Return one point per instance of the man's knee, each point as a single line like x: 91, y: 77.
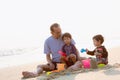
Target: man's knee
x: 78, y: 63
x: 44, y: 67
x: 83, y: 58
x: 40, y: 66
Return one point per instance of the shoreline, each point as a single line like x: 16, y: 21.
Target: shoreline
x: 34, y: 56
x: 15, y: 72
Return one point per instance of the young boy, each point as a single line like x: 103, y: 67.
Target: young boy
x: 69, y: 49
x: 100, y: 51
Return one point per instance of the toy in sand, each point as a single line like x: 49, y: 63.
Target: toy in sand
x: 101, y: 65
x: 83, y: 50
x: 62, y: 53
x: 60, y: 67
x: 86, y: 63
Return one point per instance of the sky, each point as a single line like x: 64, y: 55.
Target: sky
x: 25, y: 23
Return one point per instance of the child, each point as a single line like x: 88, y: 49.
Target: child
x: 69, y: 49
x: 100, y: 51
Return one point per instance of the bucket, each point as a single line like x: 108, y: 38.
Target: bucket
x: 86, y: 63
x: 60, y: 66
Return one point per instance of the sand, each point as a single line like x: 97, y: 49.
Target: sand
x: 14, y: 73
x: 109, y: 73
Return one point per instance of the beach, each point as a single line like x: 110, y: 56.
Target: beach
x: 14, y: 72
x: 25, y: 27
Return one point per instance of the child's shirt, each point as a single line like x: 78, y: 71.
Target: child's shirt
x: 69, y: 49
x: 100, y: 53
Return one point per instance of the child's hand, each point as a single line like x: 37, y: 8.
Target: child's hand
x: 87, y: 50
x: 67, y: 58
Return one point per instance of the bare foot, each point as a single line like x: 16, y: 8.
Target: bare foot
x: 27, y: 74
x: 73, y: 58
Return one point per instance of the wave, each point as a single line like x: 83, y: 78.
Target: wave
x: 80, y: 44
x: 18, y: 51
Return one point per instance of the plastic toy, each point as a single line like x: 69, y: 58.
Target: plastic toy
x: 83, y: 50
x: 60, y: 66
x: 86, y: 63
x: 101, y: 65
x: 62, y: 53
x: 48, y: 73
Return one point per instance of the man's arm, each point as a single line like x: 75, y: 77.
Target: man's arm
x: 48, y: 58
x: 47, y: 51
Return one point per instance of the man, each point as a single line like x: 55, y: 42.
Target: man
x: 52, y: 46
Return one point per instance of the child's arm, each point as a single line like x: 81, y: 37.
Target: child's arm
x: 76, y: 52
x: 63, y: 49
x: 90, y: 52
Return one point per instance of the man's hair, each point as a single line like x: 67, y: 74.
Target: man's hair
x: 99, y: 37
x: 66, y: 35
x: 55, y: 25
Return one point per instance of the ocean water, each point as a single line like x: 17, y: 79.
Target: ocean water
x: 19, y: 56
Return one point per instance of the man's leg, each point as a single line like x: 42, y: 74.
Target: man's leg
x: 76, y: 66
x: 46, y: 67
x: 40, y: 69
x: 82, y: 58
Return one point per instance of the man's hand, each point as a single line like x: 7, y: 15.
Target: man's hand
x: 50, y: 61
x: 52, y: 66
x: 48, y: 58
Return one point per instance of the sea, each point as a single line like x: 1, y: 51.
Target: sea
x: 19, y: 56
